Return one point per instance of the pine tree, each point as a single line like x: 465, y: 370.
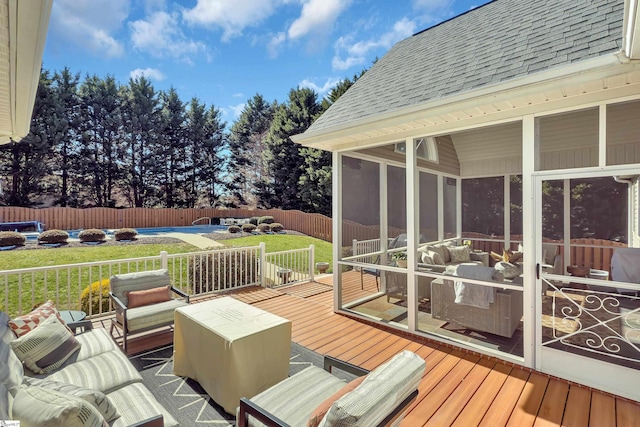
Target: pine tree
x: 282, y: 156
x: 246, y: 144
x: 170, y: 177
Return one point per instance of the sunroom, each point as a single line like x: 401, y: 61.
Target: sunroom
x: 498, y: 210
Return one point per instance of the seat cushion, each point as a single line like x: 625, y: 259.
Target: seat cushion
x: 94, y: 342
x: 152, y: 315
x: 123, y: 283
x: 379, y: 394
x: 104, y: 372
x: 294, y: 399
x: 136, y: 403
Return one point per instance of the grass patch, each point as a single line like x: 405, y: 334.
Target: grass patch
x: 283, y: 242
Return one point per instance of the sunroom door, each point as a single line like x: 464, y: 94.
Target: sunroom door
x: 587, y: 326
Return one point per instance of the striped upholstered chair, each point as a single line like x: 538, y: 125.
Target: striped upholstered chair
x: 316, y: 397
x: 143, y: 301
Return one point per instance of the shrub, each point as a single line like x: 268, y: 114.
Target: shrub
x: 99, y: 297
x: 53, y: 236
x: 254, y: 220
x: 266, y: 220
x: 248, y: 228
x: 233, y: 229
x: 92, y: 235
x: 222, y: 270
x: 264, y: 228
x: 125, y: 234
x: 276, y: 226
x: 11, y: 238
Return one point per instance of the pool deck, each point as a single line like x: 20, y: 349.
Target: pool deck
x: 195, y: 239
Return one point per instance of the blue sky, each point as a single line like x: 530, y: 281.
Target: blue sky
x: 226, y: 51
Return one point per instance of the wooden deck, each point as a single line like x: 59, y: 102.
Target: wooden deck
x: 459, y: 388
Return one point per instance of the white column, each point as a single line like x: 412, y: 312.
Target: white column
x: 532, y: 252
x: 602, y: 136
x: 413, y: 228
x: 566, y: 224
x: 336, y: 190
x: 507, y: 211
x: 440, y: 180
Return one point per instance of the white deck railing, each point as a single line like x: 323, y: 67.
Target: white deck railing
x: 286, y: 267
x: 196, y: 273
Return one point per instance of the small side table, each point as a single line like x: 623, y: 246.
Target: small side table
x: 76, y: 319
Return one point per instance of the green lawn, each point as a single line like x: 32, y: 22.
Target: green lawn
x: 11, y: 260
x: 65, y: 286
x: 285, y: 242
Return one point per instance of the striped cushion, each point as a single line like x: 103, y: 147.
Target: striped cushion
x: 94, y: 342
x: 21, y: 325
x: 11, y: 371
x: 294, y: 399
x: 45, y: 348
x: 152, y: 315
x: 136, y: 403
x: 123, y: 283
x: 104, y: 372
x: 379, y: 394
x: 96, y: 398
x: 37, y: 406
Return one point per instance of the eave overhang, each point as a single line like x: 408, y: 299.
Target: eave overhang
x: 591, y: 81
x: 23, y: 30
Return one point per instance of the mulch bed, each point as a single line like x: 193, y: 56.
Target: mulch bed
x: 226, y: 235
x: 110, y: 242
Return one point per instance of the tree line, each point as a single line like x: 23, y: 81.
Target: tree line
x: 97, y: 143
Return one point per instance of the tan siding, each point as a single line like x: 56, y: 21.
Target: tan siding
x: 569, y: 140
x: 623, y: 136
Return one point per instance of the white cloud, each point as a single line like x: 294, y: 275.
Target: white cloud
x: 90, y: 24
x: 321, y: 90
x: 160, y: 35
x: 232, y: 16
x: 237, y: 109
x: 150, y: 73
x: 431, y: 12
x: 316, y: 16
x: 275, y: 44
x: 349, y: 53
x: 238, y: 95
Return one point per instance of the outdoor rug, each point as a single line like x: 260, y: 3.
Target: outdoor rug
x: 189, y: 404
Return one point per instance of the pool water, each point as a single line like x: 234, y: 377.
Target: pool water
x: 152, y: 231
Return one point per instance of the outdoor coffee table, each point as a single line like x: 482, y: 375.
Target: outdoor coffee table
x: 231, y: 348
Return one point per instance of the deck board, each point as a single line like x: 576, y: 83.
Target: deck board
x: 458, y: 388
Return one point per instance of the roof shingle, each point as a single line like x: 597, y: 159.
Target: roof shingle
x: 500, y: 41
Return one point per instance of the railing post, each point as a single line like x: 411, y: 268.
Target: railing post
x: 164, y: 259
x: 353, y: 247
x: 263, y: 279
x: 312, y: 265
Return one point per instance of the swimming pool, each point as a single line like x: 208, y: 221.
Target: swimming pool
x: 151, y: 231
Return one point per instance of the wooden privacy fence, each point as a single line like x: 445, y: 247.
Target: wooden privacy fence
x: 315, y: 225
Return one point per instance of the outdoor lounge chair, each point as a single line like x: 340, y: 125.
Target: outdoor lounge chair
x: 314, y: 394
x: 147, y: 316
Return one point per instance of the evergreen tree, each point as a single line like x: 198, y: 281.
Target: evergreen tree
x: 213, y: 161
x: 195, y: 135
x: 65, y: 138
x: 141, y: 125
x: 282, y: 156
x: 171, y: 150
x: 246, y: 144
x: 101, y: 130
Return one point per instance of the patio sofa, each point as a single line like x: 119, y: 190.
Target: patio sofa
x: 315, y: 396
x: 74, y: 393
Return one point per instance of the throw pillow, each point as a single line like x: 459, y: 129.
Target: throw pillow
x: 97, y: 398
x: 437, y: 259
x: 148, y: 296
x: 46, y: 348
x: 459, y: 254
x: 37, y: 406
x: 441, y: 250
x: 21, y: 325
x: 318, y: 414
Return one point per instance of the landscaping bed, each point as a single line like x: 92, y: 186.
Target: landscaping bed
x: 110, y: 242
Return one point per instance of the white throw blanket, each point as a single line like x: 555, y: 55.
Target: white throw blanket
x: 470, y: 293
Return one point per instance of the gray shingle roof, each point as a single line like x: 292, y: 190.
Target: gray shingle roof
x: 502, y: 40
